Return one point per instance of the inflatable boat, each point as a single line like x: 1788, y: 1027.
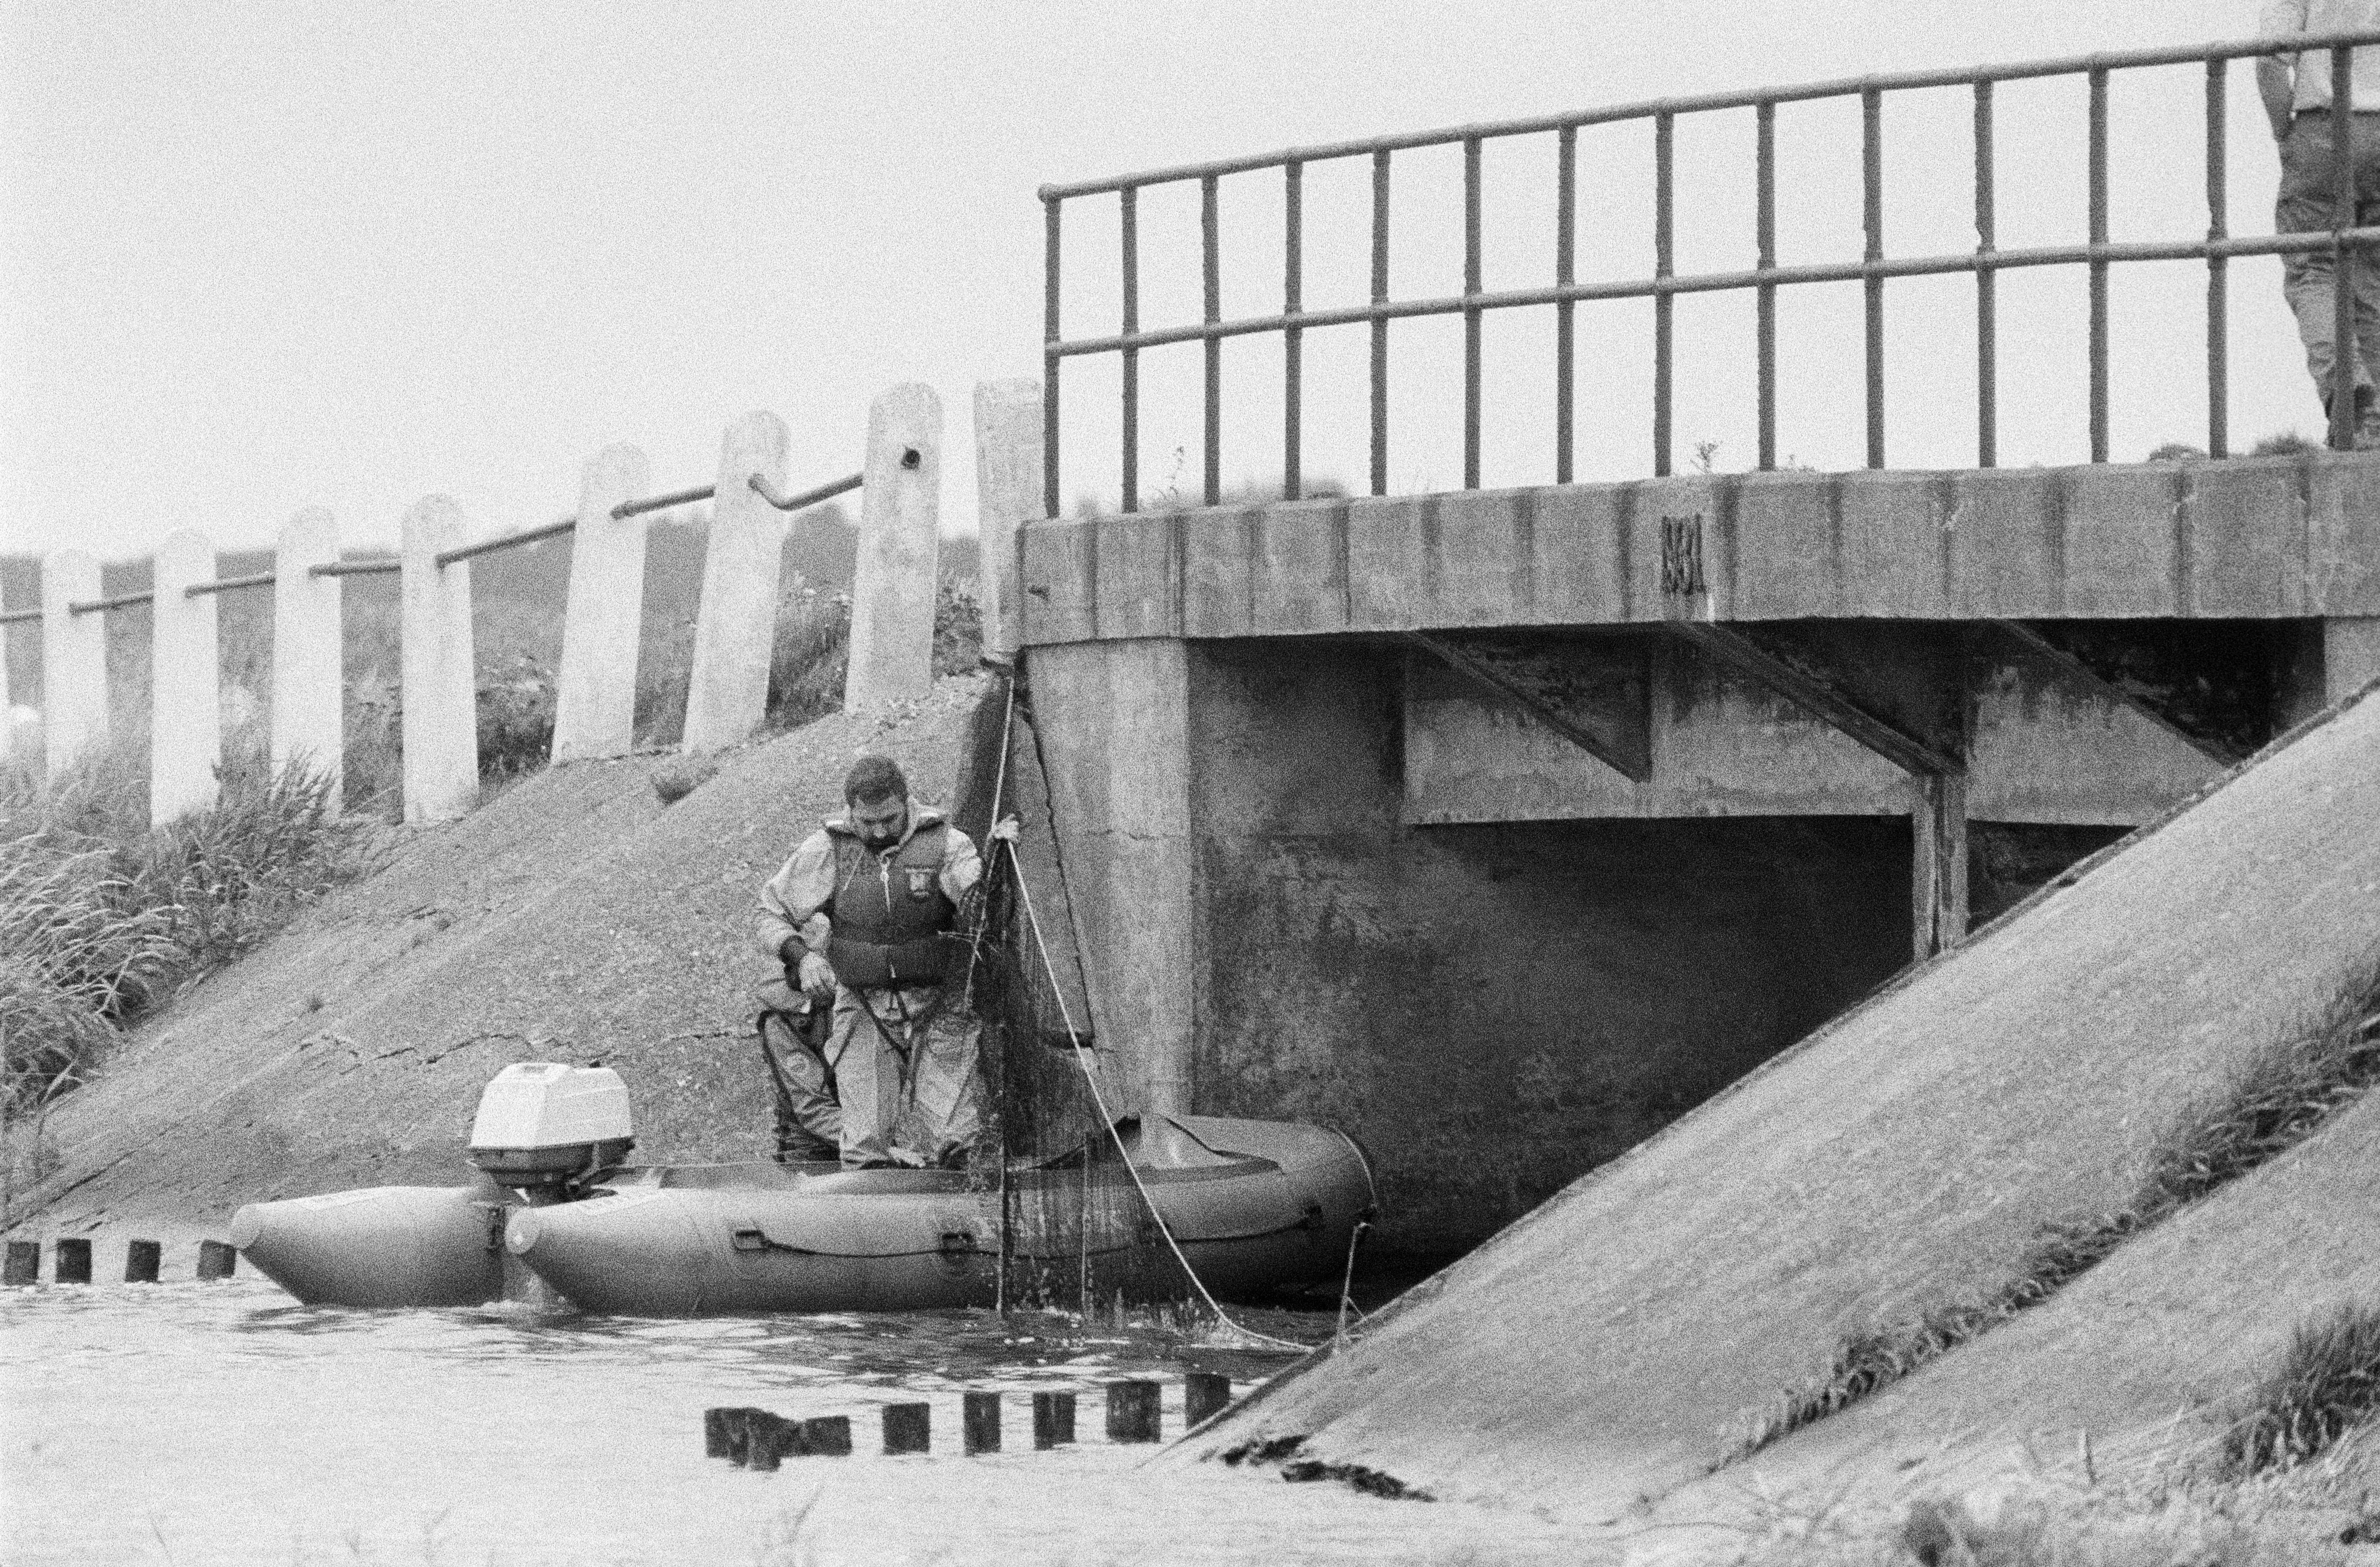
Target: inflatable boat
x: 1251, y: 1206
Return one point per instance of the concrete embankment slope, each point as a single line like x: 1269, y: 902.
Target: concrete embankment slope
x: 573, y: 918
x: 1615, y: 1343
x: 2147, y: 1354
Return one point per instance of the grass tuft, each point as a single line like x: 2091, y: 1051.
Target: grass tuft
x: 103, y: 919
x: 2326, y: 1384
x: 2276, y: 1100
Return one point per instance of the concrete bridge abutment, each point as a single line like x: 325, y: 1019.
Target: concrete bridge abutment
x: 1500, y: 828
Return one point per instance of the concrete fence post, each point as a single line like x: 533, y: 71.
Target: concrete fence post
x: 892, y: 591
x: 735, y: 628
x: 595, y: 693
x: 74, y: 662
x: 185, y: 699
x: 1008, y: 496
x: 441, y: 741
x: 308, y: 647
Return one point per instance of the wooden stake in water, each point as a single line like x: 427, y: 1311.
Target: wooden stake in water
x: 1054, y: 1419
x: 24, y: 1263
x: 981, y: 1420
x: 72, y: 1261
x: 1133, y: 1411
x: 140, y: 1260
x: 769, y: 1439
x: 217, y: 1260
x: 828, y: 1435
x: 908, y: 1428
x: 1204, y: 1395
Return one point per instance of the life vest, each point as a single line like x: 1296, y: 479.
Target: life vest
x: 891, y: 918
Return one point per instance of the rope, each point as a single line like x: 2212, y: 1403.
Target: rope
x: 1249, y: 1337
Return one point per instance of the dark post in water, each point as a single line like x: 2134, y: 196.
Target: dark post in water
x: 1054, y: 1419
x: 140, y: 1260
x: 24, y: 1263
x: 908, y: 1428
x: 217, y: 1259
x: 1133, y: 1411
x: 981, y: 1419
x: 72, y: 1263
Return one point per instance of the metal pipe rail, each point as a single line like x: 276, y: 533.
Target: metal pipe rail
x: 2099, y: 254
x: 811, y: 497
x: 19, y: 617
x: 490, y: 546
x: 255, y: 579
x: 121, y: 601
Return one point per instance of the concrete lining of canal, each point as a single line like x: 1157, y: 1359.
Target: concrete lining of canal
x: 1617, y: 1344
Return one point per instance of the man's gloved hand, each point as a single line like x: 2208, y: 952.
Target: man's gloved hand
x: 816, y: 978
x: 1004, y: 830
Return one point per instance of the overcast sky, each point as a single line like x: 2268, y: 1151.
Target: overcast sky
x: 266, y: 255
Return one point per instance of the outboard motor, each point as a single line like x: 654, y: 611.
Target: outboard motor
x: 544, y: 1128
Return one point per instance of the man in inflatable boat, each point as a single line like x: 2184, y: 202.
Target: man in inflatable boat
x: 862, y: 917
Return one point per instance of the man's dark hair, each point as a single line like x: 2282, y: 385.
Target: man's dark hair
x: 872, y: 779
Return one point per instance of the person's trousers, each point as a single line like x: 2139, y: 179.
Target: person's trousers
x: 2306, y: 205
x: 809, y: 1121
x: 906, y: 1090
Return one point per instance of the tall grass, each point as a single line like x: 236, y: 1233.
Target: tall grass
x: 2280, y: 1097
x: 103, y: 920
x: 2325, y: 1385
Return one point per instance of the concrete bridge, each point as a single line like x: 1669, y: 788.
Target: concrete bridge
x: 1501, y: 827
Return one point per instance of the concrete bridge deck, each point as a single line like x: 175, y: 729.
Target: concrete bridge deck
x: 2273, y: 538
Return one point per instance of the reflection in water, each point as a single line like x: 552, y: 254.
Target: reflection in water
x: 187, y: 1423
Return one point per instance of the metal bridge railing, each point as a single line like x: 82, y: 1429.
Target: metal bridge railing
x: 1564, y: 291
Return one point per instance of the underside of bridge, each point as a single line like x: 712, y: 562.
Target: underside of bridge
x: 1501, y: 829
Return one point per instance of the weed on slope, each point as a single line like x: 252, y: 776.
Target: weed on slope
x: 101, y: 920
x: 2326, y: 1384
x: 2276, y: 1100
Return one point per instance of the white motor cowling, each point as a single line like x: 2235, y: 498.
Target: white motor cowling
x: 543, y: 1122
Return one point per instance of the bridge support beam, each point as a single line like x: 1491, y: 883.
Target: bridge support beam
x: 1597, y: 699
x: 1936, y: 766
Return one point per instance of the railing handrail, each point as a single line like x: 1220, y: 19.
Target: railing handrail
x: 2098, y: 253
x: 1689, y: 103
x: 1710, y: 283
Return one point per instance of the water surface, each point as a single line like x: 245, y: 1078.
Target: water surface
x: 185, y: 1424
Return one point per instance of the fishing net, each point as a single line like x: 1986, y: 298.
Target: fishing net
x: 1079, y: 1232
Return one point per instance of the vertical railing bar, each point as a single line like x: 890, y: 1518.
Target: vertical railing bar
x: 2343, y: 411
x: 1293, y: 290
x: 2098, y: 191
x: 1130, y: 215
x: 1472, y: 283
x: 1381, y: 328
x: 1050, y: 359
x: 1664, y: 258
x: 2219, y: 303
x: 1765, y: 224
x: 1871, y: 169
x: 1210, y: 235
x: 1565, y: 273
x: 1987, y: 343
